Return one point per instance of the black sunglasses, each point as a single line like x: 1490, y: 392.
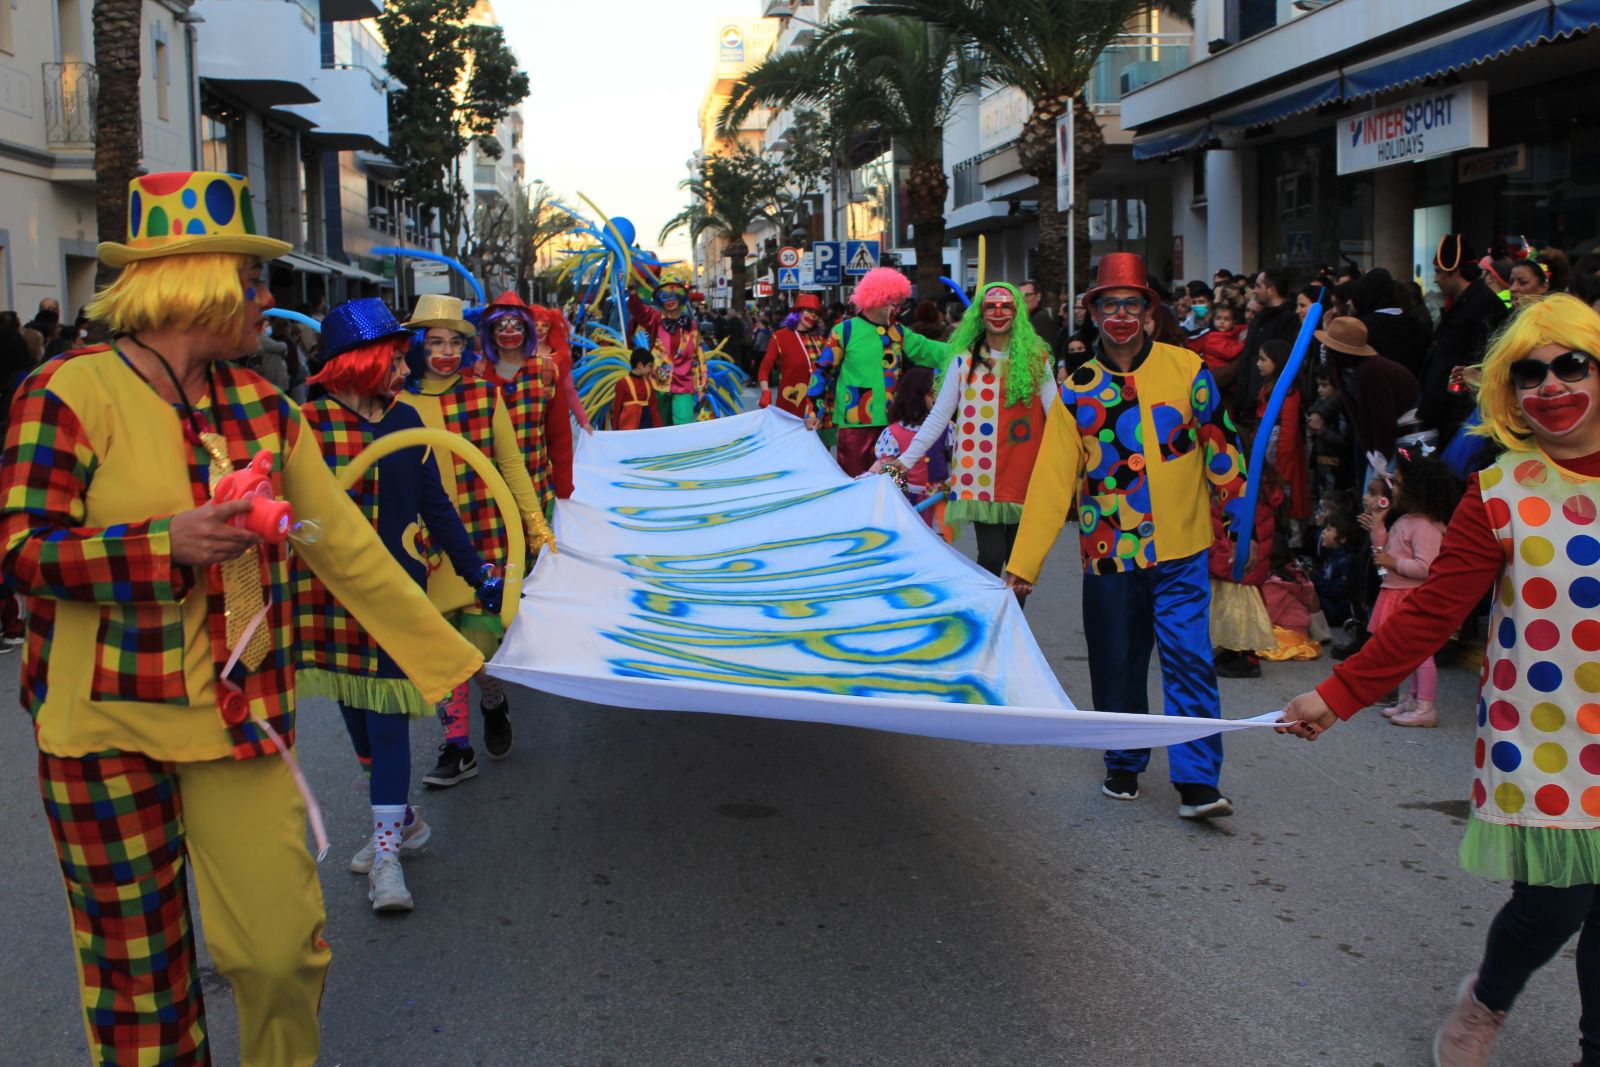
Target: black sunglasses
x: 1568, y: 367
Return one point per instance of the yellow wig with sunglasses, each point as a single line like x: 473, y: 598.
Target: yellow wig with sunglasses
x: 1557, y: 319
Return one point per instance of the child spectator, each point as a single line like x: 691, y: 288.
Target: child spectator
x: 1426, y: 492
x: 1286, y: 448
x: 913, y: 399
x: 1239, y: 620
x: 1332, y: 580
x: 1329, y: 435
x: 1220, y: 344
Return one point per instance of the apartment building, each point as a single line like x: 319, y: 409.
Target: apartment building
x: 1308, y: 132
x: 47, y: 101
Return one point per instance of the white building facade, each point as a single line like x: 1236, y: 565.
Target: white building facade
x: 47, y: 101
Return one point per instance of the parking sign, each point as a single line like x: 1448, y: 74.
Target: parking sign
x: 828, y: 264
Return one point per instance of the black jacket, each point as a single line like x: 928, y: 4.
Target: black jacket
x: 1463, y: 335
x: 1401, y: 338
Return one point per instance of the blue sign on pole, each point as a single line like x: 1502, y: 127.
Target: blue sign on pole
x: 829, y: 268
x: 860, y: 256
x: 788, y: 277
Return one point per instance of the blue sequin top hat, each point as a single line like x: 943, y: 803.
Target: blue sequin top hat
x: 355, y: 323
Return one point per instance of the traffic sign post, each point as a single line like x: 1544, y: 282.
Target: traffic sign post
x: 828, y: 263
x: 788, y: 277
x: 860, y: 257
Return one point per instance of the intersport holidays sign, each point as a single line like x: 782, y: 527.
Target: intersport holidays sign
x: 1434, y: 124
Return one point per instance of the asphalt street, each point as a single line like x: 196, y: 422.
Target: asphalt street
x: 636, y: 888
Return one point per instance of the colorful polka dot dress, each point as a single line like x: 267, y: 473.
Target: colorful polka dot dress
x: 1537, y: 756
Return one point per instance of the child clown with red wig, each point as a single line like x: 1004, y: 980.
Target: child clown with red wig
x: 363, y: 372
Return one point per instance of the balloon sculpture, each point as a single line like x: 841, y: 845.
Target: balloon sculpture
x: 611, y: 266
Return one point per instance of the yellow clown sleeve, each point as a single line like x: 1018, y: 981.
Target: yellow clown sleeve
x: 1052, y: 490
x: 358, y: 570
x: 511, y: 461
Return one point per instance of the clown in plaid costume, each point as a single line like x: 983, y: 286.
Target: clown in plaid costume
x: 106, y: 525
x: 473, y: 409
x: 365, y: 371
x: 530, y: 387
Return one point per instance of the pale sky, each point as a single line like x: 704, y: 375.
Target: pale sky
x: 615, y: 96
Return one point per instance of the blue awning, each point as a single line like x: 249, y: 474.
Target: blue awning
x: 1166, y: 144
x: 1304, y: 98
x: 1433, y: 58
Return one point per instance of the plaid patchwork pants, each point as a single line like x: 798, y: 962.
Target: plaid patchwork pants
x: 125, y: 826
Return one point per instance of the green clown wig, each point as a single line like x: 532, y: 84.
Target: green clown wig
x: 1029, y: 355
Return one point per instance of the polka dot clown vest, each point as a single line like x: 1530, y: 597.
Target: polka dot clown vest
x: 1537, y: 756
x: 996, y: 443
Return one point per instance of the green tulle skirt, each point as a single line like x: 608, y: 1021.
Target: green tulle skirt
x: 1001, y: 512
x: 392, y: 696
x: 483, y: 632
x: 1537, y: 855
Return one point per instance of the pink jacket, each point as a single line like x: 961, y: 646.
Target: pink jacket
x: 1414, y: 543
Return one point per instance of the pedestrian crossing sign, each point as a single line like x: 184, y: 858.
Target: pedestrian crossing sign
x: 788, y: 277
x: 860, y: 256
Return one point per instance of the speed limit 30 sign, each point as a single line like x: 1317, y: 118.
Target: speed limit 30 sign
x: 788, y: 257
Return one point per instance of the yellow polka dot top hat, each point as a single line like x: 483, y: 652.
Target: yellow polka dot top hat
x: 189, y: 212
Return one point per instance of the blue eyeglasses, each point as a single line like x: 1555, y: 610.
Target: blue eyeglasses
x: 1110, y: 305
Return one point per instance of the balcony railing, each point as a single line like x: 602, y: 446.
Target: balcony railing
x: 1135, y: 60
x: 69, y: 95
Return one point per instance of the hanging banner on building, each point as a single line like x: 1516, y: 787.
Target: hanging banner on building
x: 729, y: 566
x: 1434, y: 124
x: 1001, y: 116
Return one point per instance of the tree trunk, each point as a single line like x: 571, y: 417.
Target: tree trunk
x: 926, y: 188
x: 737, y: 251
x: 118, y: 148
x: 1036, y: 150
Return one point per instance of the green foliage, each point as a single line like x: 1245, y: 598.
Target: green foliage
x: 1043, y: 47
x: 730, y: 194
x: 457, y: 82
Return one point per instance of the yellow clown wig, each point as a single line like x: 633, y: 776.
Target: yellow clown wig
x: 1557, y: 319
x: 202, y: 289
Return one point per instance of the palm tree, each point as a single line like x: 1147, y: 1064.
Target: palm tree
x: 1048, y: 49
x: 118, y: 148
x: 899, y: 78
x: 732, y: 192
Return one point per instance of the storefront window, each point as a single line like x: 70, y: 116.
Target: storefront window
x: 1314, y: 218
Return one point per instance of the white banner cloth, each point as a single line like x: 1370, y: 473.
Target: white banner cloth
x: 730, y: 566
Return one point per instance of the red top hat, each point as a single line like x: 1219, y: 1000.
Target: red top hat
x: 807, y: 300
x: 1122, y: 270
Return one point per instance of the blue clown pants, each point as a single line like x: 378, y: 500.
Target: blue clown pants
x: 1124, y: 616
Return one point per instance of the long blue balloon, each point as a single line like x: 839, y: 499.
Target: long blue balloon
x: 417, y: 253
x: 966, y: 301
x: 1246, y: 521
x: 293, y: 316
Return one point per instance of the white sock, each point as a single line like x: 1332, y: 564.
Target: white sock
x: 387, y: 823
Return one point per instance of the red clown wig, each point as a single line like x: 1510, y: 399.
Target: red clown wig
x: 363, y: 371
x: 558, y: 337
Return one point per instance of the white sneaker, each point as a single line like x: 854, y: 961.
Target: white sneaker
x: 386, y: 885
x: 412, y: 838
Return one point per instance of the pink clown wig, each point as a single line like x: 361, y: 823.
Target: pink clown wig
x: 880, y: 287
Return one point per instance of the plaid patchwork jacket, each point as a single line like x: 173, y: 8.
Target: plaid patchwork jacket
x: 124, y: 646
x: 539, y: 415
x: 473, y: 410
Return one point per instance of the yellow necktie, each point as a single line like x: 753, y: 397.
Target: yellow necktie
x: 241, y: 576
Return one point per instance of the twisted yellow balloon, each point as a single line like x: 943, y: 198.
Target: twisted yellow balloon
x: 517, y: 545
